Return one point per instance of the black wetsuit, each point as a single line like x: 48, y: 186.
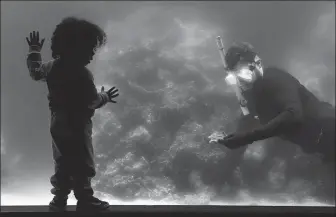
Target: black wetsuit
x: 286, y: 109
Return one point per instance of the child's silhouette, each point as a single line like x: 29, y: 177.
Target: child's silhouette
x: 73, y: 99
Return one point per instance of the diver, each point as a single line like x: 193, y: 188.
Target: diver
x: 282, y: 106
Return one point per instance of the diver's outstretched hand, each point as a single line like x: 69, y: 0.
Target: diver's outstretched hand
x: 235, y: 140
x: 112, y: 93
x: 231, y: 141
x: 34, y: 41
x: 215, y: 137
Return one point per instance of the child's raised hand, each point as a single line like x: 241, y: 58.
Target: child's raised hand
x: 34, y: 40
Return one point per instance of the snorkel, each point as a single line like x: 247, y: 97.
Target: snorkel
x: 232, y: 80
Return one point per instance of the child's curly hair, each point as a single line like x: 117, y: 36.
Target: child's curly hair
x: 77, y: 36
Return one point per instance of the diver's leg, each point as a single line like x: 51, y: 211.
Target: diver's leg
x: 327, y: 149
x: 327, y: 141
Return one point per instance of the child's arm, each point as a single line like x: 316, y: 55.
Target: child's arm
x: 98, y: 100
x: 37, y: 70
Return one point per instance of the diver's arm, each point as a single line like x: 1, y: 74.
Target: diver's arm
x: 285, y: 94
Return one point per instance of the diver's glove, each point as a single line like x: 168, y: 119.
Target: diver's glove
x: 236, y: 140
x: 108, y: 96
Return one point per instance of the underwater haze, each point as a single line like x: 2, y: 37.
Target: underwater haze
x: 163, y: 58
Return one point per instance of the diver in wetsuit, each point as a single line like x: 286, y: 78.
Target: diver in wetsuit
x: 284, y: 107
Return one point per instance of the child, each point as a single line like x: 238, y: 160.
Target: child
x: 73, y: 99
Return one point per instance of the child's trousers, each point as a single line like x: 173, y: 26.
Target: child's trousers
x: 73, y: 155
